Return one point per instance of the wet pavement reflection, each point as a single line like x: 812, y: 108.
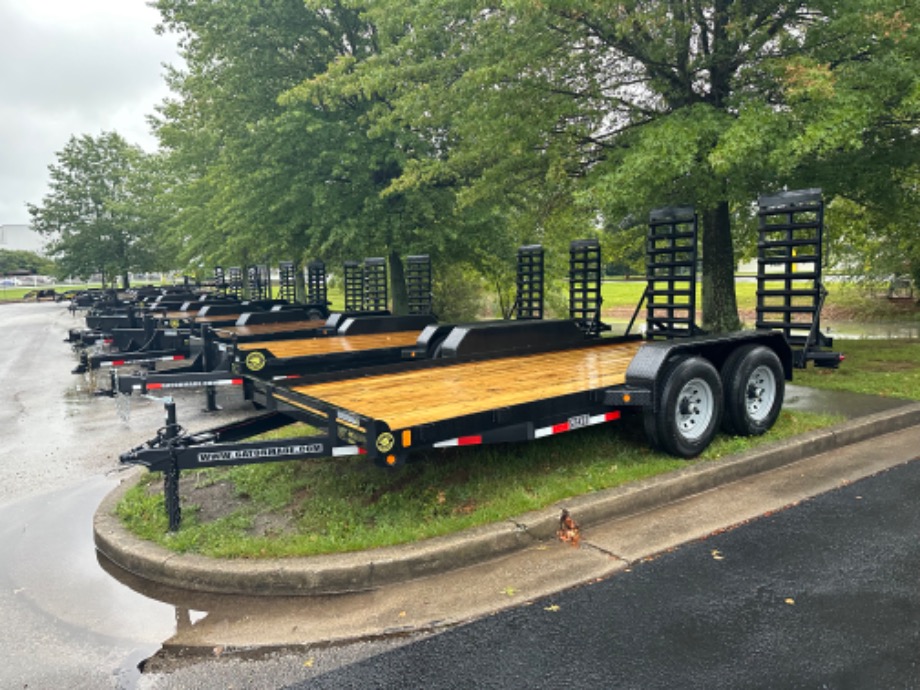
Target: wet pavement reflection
x: 849, y: 405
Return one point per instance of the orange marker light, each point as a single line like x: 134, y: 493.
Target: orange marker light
x: 391, y: 460
x: 406, y: 438
x: 627, y: 397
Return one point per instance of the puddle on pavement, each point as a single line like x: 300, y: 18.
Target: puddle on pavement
x: 848, y: 405
x: 55, y: 574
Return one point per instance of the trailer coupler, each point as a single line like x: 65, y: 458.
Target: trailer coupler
x: 172, y: 450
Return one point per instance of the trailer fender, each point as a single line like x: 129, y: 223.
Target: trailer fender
x: 647, y: 367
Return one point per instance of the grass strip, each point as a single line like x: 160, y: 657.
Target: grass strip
x: 306, y: 508
x: 890, y: 368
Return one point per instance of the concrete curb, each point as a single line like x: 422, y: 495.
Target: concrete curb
x: 375, y: 568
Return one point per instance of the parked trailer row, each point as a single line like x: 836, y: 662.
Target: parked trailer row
x: 526, y: 380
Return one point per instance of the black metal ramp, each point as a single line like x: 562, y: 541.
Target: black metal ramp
x: 790, y: 294
x: 671, y: 250
x: 530, y: 277
x: 585, y: 299
x: 418, y: 284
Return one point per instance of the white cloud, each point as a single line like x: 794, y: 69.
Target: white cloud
x: 72, y: 68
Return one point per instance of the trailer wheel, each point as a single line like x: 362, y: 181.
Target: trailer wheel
x: 754, y: 385
x: 690, y: 408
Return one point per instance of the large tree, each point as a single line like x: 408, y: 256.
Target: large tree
x: 259, y: 179
x: 90, y: 212
x: 573, y: 112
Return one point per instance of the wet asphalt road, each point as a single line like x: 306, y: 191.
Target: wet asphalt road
x: 67, y: 623
x: 822, y: 595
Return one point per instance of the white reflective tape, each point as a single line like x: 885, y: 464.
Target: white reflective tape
x: 447, y: 444
x: 345, y: 450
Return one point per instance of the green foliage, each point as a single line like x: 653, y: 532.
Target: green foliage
x: 465, y: 129
x: 17, y: 261
x: 91, y: 213
x: 458, y: 293
x: 553, y: 115
x: 265, y: 171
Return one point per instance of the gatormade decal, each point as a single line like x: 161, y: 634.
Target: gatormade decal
x: 259, y: 453
x: 255, y: 361
x: 385, y: 442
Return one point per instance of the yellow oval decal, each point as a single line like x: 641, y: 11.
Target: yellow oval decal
x: 174, y: 323
x: 255, y: 361
x: 385, y: 442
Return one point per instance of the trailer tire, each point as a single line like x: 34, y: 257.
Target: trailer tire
x: 754, y: 385
x: 689, y: 410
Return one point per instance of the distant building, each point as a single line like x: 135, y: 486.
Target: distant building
x: 21, y: 238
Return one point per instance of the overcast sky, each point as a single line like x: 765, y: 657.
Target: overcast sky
x: 72, y: 67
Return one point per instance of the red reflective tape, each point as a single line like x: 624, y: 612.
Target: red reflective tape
x: 610, y: 416
x: 236, y: 382
x: 176, y: 358
x: 154, y: 386
x: 118, y: 363
x: 559, y: 428
x: 362, y: 451
x: 469, y: 440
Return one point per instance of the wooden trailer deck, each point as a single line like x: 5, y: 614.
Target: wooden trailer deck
x: 227, y: 332
x: 306, y: 347
x: 422, y: 396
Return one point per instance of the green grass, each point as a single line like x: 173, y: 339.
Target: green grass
x: 16, y: 293
x: 307, y: 508
x: 845, y: 301
x: 889, y: 368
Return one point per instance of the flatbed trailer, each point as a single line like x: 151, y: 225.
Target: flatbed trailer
x: 282, y: 358
x: 683, y: 390
x: 167, y: 336
x: 213, y: 349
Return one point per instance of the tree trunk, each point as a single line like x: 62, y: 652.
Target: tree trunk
x: 720, y: 307
x: 398, y: 292
x: 300, y: 282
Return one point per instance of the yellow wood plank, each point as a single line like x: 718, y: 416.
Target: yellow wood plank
x: 304, y: 347
x: 423, y: 396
